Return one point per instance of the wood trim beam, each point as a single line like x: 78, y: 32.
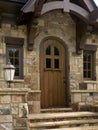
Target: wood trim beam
x: 94, y: 15
x: 14, y: 40
x: 51, y: 6
x: 66, y: 6
x: 31, y: 34
x: 70, y: 7
x: 77, y: 10
x: 81, y: 28
x: 29, y: 6
x: 89, y: 47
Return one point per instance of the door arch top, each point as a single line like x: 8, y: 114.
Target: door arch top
x: 55, y: 38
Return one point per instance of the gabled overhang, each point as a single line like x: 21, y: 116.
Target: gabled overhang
x: 85, y: 11
x: 29, y: 6
x: 81, y: 8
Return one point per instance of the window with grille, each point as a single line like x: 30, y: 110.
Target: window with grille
x: 52, y: 58
x: 89, y: 64
x: 14, y: 53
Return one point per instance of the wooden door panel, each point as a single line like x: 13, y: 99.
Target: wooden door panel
x: 53, y: 89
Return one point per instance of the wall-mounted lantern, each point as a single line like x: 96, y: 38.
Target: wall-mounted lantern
x: 9, y: 73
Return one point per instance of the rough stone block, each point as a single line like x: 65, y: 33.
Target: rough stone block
x: 95, y: 86
x: 77, y: 97
x: 5, y: 111
x: 75, y: 106
x: 5, y: 118
x: 14, y: 109
x: 6, y: 126
x: 90, y: 87
x: 89, y: 100
x: 23, y: 110
x: 83, y: 98
x: 17, y: 99
x: 36, y: 106
x: 20, y: 122
x: 27, y: 79
x: 34, y: 97
x: 72, y: 75
x: 6, y: 99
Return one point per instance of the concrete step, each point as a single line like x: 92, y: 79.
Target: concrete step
x: 63, y: 123
x: 77, y: 128
x: 59, y: 120
x: 53, y: 110
x: 68, y: 115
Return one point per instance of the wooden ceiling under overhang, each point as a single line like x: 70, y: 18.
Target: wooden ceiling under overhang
x: 10, y: 9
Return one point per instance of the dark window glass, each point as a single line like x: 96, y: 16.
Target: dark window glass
x: 85, y: 66
x: 89, y: 57
x: 48, y: 63
x: 56, y: 51
x: 85, y: 74
x: 17, y: 71
x: 52, y: 57
x: 89, y: 74
x: 17, y: 53
x: 84, y: 58
x: 56, y: 63
x: 48, y: 50
x: 89, y: 66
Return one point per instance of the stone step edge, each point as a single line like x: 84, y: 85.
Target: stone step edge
x: 21, y: 128
x: 68, y: 115
x: 77, y: 128
x: 56, y: 109
x: 62, y: 123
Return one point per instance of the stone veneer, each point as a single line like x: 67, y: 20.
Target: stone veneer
x: 12, y: 101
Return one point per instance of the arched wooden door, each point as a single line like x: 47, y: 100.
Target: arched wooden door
x: 53, y: 87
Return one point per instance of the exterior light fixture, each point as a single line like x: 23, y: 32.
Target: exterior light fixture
x: 9, y: 73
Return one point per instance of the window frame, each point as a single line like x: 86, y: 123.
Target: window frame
x: 16, y: 43
x: 52, y: 57
x: 90, y: 49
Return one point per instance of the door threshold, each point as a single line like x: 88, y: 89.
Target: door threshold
x: 63, y: 109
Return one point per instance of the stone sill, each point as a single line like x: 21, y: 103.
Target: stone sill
x: 84, y: 91
x: 11, y: 91
x: 34, y: 91
x: 18, y: 81
x: 15, y: 80
x: 90, y: 81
